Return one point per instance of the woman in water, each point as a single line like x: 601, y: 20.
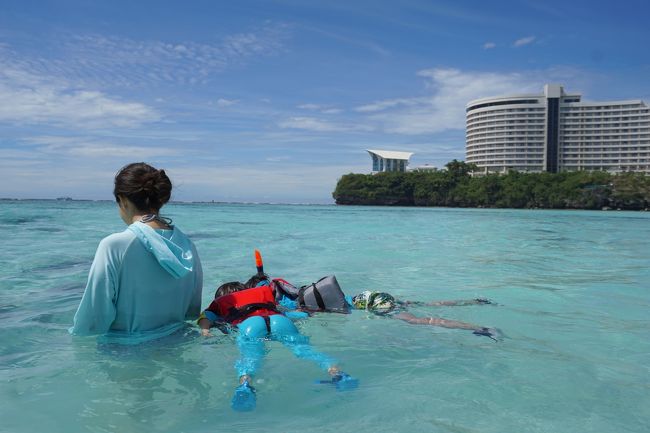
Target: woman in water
x: 146, y: 280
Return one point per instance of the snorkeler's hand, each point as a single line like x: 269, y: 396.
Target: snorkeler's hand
x: 492, y: 333
x: 206, y: 332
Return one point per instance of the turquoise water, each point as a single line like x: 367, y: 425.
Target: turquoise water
x: 572, y: 287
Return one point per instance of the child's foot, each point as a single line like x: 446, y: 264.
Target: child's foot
x: 342, y: 381
x: 244, y: 399
x: 345, y: 382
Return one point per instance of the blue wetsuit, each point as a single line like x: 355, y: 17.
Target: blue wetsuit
x: 252, y: 333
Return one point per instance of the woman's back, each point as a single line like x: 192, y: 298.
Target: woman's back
x: 130, y: 291
x: 147, y: 279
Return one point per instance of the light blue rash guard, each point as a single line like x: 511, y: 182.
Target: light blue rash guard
x: 143, y: 283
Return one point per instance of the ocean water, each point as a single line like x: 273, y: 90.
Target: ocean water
x: 573, y: 302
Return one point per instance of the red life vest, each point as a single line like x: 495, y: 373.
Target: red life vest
x: 239, y: 306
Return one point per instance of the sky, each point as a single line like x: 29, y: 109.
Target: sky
x: 275, y: 100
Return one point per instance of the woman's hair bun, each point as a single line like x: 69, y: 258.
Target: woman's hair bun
x: 146, y: 187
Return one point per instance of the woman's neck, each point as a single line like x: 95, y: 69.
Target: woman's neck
x: 151, y: 219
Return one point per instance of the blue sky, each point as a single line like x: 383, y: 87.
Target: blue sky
x: 273, y: 101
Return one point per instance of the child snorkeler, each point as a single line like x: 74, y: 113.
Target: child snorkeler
x: 252, y: 309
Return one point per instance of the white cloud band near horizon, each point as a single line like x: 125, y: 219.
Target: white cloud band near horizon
x: 441, y: 108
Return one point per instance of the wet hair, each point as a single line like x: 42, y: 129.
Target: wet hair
x: 228, y: 288
x: 146, y: 187
x: 255, y: 280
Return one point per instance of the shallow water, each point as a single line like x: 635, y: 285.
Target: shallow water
x: 573, y: 297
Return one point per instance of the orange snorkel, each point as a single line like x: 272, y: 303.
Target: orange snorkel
x: 258, y: 263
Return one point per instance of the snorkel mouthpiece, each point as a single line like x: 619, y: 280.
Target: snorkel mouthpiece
x: 258, y: 263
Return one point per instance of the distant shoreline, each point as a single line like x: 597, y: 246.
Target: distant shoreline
x: 457, y: 187
x: 321, y: 205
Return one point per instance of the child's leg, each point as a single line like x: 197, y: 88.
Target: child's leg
x: 283, y: 330
x: 251, y: 350
x: 456, y: 303
x: 434, y: 321
x: 492, y: 333
x: 251, y: 345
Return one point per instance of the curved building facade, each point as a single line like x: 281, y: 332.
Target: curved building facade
x: 389, y: 160
x: 555, y: 131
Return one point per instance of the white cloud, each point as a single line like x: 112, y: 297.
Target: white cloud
x: 523, y: 41
x: 318, y: 125
x: 117, y: 61
x: 324, y: 109
x: 388, y: 103
x: 310, y: 107
x: 28, y: 98
x: 278, y: 158
x: 489, y: 45
x: 444, y: 109
x: 331, y: 111
x: 223, y: 102
x: 91, y: 148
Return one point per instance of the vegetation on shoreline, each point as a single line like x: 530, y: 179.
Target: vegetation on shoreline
x: 455, y: 187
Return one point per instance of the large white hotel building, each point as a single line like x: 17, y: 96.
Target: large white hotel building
x: 556, y: 131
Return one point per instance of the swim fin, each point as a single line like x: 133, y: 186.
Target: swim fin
x: 342, y: 381
x: 244, y: 399
x: 484, y: 301
x: 492, y: 333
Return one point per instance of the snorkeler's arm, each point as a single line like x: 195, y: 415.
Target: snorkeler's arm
x: 207, y: 320
x: 204, y: 324
x: 97, y: 311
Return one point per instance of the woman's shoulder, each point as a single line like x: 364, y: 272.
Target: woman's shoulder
x: 118, y: 240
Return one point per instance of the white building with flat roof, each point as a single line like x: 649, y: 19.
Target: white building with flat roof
x: 389, y: 160
x: 556, y: 131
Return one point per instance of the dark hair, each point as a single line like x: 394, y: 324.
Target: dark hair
x: 228, y: 288
x: 147, y: 188
x: 254, y: 280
